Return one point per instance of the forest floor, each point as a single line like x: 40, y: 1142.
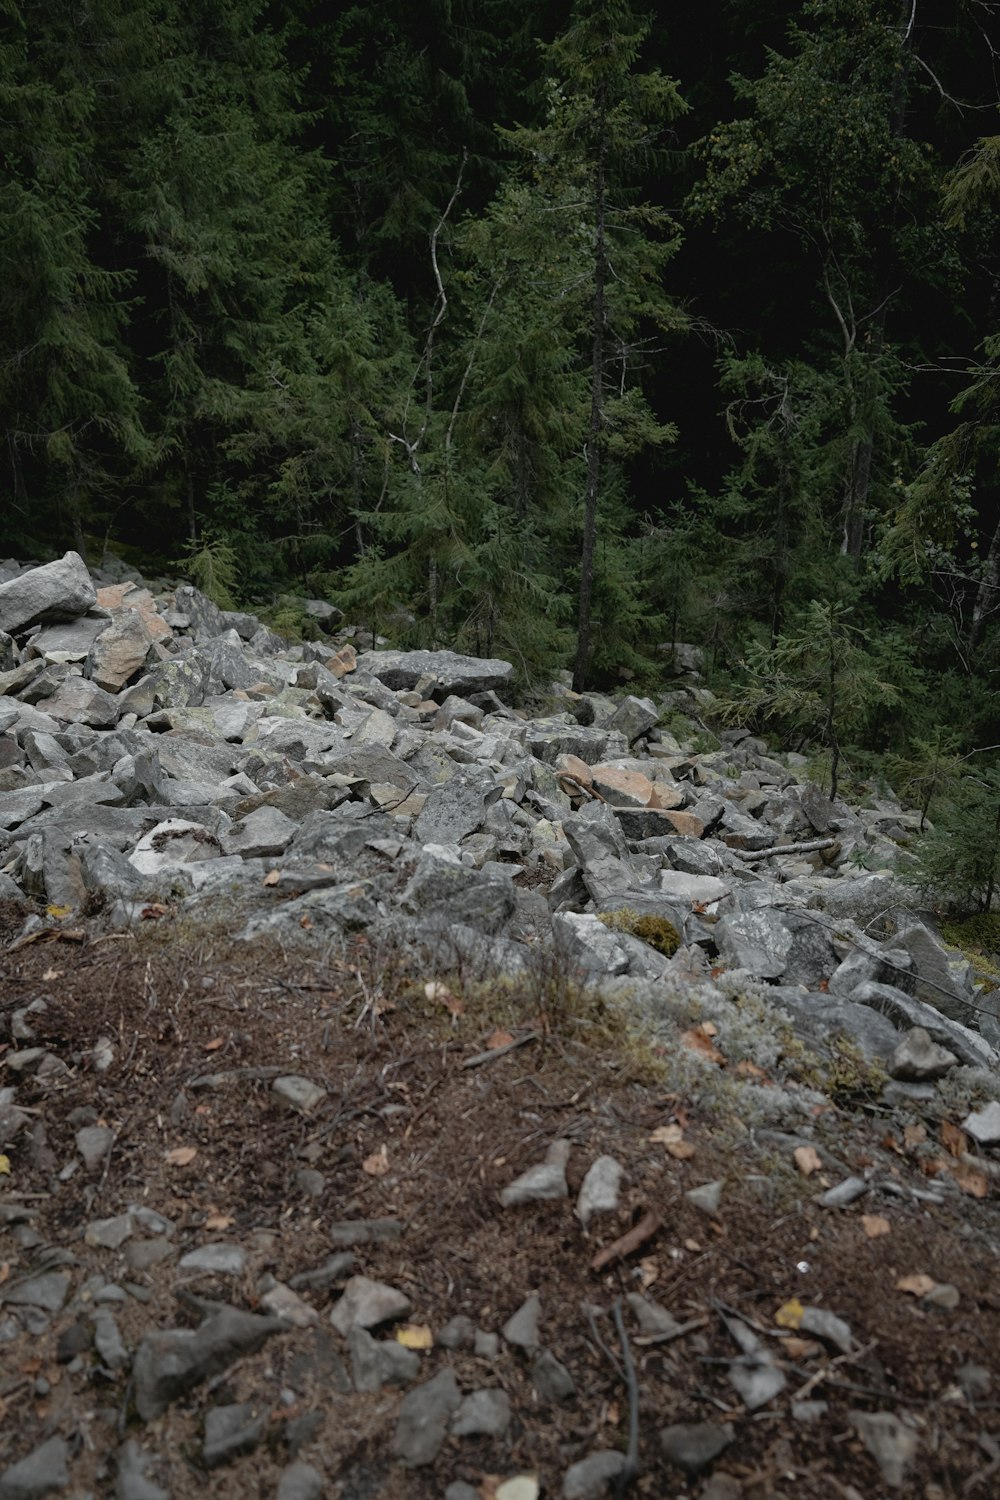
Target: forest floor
x: 172, y: 1036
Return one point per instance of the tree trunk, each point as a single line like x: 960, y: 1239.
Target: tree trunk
x: 594, y: 425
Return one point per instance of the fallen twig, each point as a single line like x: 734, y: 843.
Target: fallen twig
x: 626, y: 1243
x: 630, y: 1469
x: 484, y: 1057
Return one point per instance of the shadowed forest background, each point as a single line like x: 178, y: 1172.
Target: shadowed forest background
x: 556, y: 332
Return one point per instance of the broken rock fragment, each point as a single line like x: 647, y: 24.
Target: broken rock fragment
x: 543, y: 1182
x: 171, y: 1361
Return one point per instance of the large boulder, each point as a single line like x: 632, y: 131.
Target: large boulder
x: 56, y: 591
x: 446, y: 670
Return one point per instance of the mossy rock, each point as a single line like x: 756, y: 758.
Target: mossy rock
x: 658, y: 932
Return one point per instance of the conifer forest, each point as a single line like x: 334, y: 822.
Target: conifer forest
x: 561, y: 332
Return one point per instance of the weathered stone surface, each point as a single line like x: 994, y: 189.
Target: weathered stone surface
x: 170, y: 1362
x: 42, y: 1472
x: 916, y: 1057
x: 694, y: 1446
x: 545, y: 1181
x: 446, y: 671
x: 230, y: 1431
x: 423, y: 1420
x: 78, y: 701
x: 119, y: 652
x: 171, y: 843
x: 56, y: 591
x: 368, y: 1304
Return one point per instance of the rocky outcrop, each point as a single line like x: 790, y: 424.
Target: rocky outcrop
x: 156, y: 748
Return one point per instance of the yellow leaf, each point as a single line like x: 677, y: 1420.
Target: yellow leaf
x: 789, y: 1315
x: 415, y: 1336
x: 918, y: 1284
x: 807, y: 1159
x: 377, y: 1165
x: 181, y: 1156
x: 4, y: 1166
x: 58, y: 911
x: 874, y: 1225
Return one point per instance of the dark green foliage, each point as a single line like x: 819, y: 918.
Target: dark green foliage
x: 958, y: 862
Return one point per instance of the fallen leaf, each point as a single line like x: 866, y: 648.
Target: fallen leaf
x: 181, y: 1156
x: 4, y: 1271
x: 203, y: 1109
x: 649, y: 1271
x: 824, y: 986
x: 415, y: 1336
x: 219, y: 1221
x: 51, y: 974
x: 917, y: 1285
x: 807, y: 1159
x: 789, y: 1314
x: 626, y: 1243
x: 377, y: 1165
x: 4, y: 1166
x: 971, y: 1181
x: 932, y: 1165
x: 214, y: 1044
x: 698, y: 1040
x: 692, y: 1245
x: 58, y: 911
x: 154, y: 911
x: 272, y: 877
x: 874, y: 1225
x: 498, y: 1038
x: 914, y: 1135
x: 891, y: 1143
x: 748, y: 1069
x: 666, y: 1135
x: 681, y: 1151
x: 952, y: 1139
x: 305, y: 922
x: 795, y: 1348
x: 440, y: 994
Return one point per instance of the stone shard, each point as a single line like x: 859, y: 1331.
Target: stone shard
x: 424, y: 1415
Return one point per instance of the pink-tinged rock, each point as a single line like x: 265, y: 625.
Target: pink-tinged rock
x: 666, y: 797
x: 687, y: 824
x: 573, y: 766
x: 120, y: 652
x: 346, y: 660
x: 127, y: 596
x: 623, y: 788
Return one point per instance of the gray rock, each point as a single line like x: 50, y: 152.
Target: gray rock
x: 48, y: 1290
x: 108, y: 1340
x: 707, y: 1197
x: 455, y: 893
x: 591, y: 1477
x: 482, y: 1413
x: 380, y: 1362
x: 56, y: 591
x: 586, y: 942
x: 906, y: 1011
x: 297, y: 1093
x: 458, y: 1333
x: 551, y: 1379
x: 522, y: 1328
x: 205, y: 618
x: 132, y: 1483
x: 455, y: 809
x: 174, y: 842
x: 942, y: 978
x: 543, y: 1182
x: 171, y: 1361
x: 694, y: 1446
x: 77, y: 701
x: 93, y: 1143
x: 600, y: 1191
x: 874, y: 965
x: 844, y: 1193
x: 215, y: 1260
x: 892, y: 1445
x: 264, y: 833
x: 300, y: 1481
x: 368, y: 1304
x: 825, y: 1325
x: 40, y: 1473
x: 772, y: 944
x: 633, y: 717
x: 917, y: 1058
x: 231, y: 1431
x: 984, y: 1124
x: 109, y: 1234
x: 424, y: 1415
x: 756, y: 1378
x: 447, y: 671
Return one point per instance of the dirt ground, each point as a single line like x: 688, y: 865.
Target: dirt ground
x: 199, y: 1026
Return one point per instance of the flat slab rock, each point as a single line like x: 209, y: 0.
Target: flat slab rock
x: 451, y: 673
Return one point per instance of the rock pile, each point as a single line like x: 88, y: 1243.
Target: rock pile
x: 154, y: 750
x: 154, y: 747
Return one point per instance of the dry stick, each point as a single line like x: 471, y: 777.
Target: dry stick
x: 636, y: 1236
x: 495, y: 1052
x: 808, y: 846
x: 630, y: 1469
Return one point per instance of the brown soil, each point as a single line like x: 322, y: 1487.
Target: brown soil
x: 180, y: 1002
